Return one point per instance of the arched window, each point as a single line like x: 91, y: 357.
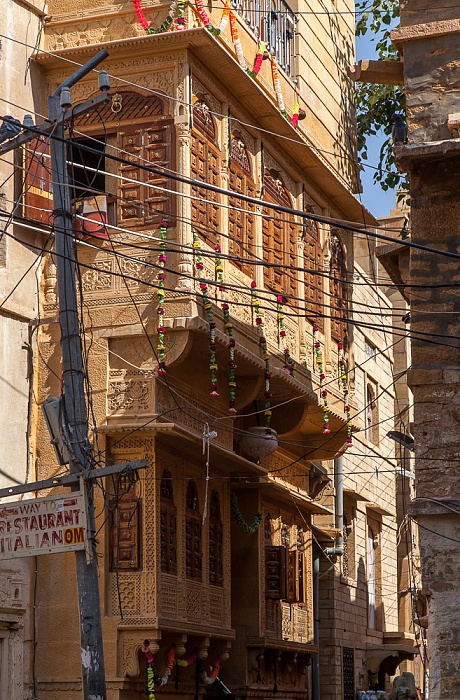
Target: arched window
x: 192, y: 533
x: 241, y: 225
x: 338, y: 288
x: 279, y: 236
x: 205, y: 165
x: 312, y: 256
x: 168, y: 529
x: 215, y: 541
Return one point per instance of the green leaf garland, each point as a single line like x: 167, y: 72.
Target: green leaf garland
x: 249, y: 529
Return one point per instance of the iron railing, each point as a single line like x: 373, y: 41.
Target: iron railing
x: 273, y: 22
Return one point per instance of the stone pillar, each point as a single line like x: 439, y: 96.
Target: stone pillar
x: 429, y: 41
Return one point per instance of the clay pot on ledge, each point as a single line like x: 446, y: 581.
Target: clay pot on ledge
x: 259, y: 441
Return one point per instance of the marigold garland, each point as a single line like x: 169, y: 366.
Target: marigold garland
x: 237, y: 42
x: 254, y: 526
x: 160, y: 296
x: 322, y: 376
x: 265, y: 355
x: 207, y: 306
x: 344, y: 380
x: 277, y: 87
x: 229, y: 328
x: 209, y: 680
x: 288, y: 360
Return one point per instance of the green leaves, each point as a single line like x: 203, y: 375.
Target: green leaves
x: 376, y: 104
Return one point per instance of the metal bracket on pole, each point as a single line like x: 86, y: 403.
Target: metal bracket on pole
x: 88, y: 543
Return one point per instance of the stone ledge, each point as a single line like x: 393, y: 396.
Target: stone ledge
x: 379, y: 72
x: 412, y: 155
x: 402, y: 35
x: 434, y: 506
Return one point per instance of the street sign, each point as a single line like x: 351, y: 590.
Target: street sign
x: 43, y: 526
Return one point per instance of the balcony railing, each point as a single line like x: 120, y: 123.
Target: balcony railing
x: 273, y: 22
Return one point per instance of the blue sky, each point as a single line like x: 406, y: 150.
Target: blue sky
x: 373, y: 197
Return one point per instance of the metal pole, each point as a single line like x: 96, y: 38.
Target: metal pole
x: 92, y: 658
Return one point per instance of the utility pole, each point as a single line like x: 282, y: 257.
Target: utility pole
x: 73, y: 403
x: 75, y: 412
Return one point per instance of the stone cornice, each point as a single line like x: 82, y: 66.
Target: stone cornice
x: 402, y: 35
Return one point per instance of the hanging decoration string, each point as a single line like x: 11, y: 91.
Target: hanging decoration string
x: 249, y: 529
x: 288, y: 360
x: 161, y: 296
x: 209, y: 680
x: 207, y: 306
x: 265, y: 355
x: 229, y: 329
x: 322, y: 376
x: 261, y: 55
x: 237, y: 42
x: 346, y: 405
x: 166, y: 24
x: 152, y: 675
x: 277, y: 87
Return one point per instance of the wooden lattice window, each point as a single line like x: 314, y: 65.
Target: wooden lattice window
x: 279, y: 237
x: 124, y: 526
x: 241, y: 224
x: 168, y: 525
x: 215, y: 541
x: 275, y: 572
x: 205, y: 166
x: 139, y: 204
x: 193, y: 558
x: 338, y: 287
x: 313, y: 258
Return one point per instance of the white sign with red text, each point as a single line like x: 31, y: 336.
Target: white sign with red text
x: 42, y: 526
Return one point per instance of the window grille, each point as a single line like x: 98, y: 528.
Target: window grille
x: 168, y: 526
x: 215, y: 541
x: 279, y: 236
x: 241, y: 225
x: 273, y: 22
x: 193, y: 556
x: 348, y: 673
x: 339, y: 293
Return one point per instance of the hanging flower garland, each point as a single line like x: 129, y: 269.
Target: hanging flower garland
x: 322, y: 376
x: 277, y: 87
x: 237, y: 42
x: 160, y: 296
x: 183, y: 663
x: 249, y: 529
x: 261, y: 54
x: 207, y: 306
x: 265, y: 356
x: 229, y: 328
x: 152, y: 675
x: 298, y: 114
x: 166, y: 24
x: 344, y: 380
x: 288, y: 360
x: 209, y: 680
